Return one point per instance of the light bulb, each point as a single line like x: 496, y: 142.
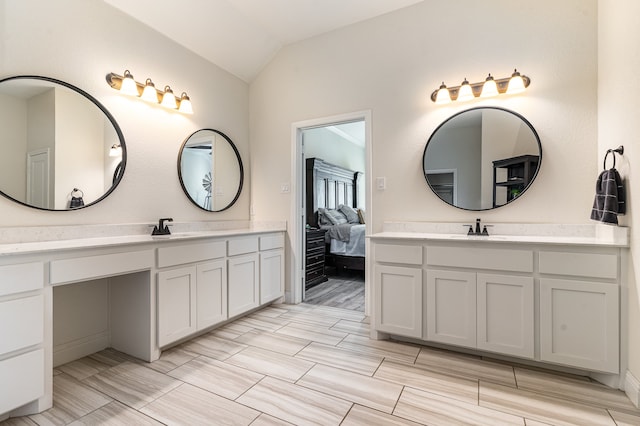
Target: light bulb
x: 150, y: 94
x: 185, y: 104
x: 115, y: 151
x: 465, y: 93
x: 129, y: 86
x: 168, y: 99
x: 516, y: 83
x: 489, y: 88
x: 443, y: 96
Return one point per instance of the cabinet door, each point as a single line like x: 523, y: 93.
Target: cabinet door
x: 271, y: 275
x: 398, y: 296
x: 211, y: 294
x: 244, y: 284
x: 579, y: 324
x: 505, y: 321
x: 176, y: 304
x: 451, y: 307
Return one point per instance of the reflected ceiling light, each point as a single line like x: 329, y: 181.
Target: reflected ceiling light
x: 490, y: 87
x: 147, y: 91
x: 115, y: 151
x: 185, y: 104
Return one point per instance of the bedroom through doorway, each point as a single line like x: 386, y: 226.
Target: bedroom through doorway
x: 335, y: 159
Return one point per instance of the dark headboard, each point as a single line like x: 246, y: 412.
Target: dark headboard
x: 328, y: 186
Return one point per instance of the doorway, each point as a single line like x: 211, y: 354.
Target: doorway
x: 338, y: 128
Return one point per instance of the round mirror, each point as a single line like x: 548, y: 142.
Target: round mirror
x: 482, y: 158
x: 210, y: 170
x: 62, y: 150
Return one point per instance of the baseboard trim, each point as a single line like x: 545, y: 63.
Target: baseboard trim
x: 632, y: 388
x: 80, y: 348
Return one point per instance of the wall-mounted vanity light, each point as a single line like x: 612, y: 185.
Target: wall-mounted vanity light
x: 147, y: 91
x: 490, y: 87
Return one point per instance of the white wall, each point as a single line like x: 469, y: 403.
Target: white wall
x: 618, y: 124
x: 326, y: 145
x: 80, y: 41
x: 392, y: 63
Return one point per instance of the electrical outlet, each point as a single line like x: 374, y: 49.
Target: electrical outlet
x: 284, y: 188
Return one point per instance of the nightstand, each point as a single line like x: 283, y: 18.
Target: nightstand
x: 314, y: 255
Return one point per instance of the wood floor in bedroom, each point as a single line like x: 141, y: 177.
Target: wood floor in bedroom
x: 343, y: 290
x: 307, y: 364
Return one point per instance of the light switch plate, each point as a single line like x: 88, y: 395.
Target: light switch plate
x: 381, y: 183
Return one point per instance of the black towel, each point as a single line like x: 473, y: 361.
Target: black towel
x: 609, y: 201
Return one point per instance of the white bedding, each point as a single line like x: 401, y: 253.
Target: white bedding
x: 355, y: 246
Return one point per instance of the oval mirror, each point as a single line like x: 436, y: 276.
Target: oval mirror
x: 62, y: 150
x: 482, y: 158
x: 210, y: 170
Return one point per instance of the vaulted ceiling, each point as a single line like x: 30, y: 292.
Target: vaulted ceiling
x: 242, y: 36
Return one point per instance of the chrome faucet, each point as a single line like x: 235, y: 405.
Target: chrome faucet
x: 477, y: 230
x: 161, y: 228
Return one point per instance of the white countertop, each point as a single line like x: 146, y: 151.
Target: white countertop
x: 120, y: 240
x: 560, y: 234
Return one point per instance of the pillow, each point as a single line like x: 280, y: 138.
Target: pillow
x: 334, y: 216
x: 361, y: 215
x: 350, y: 213
x: 323, y: 220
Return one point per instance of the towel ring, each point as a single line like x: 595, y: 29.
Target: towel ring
x: 75, y: 191
x: 619, y: 150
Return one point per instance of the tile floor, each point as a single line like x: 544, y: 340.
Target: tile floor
x: 308, y: 364
x: 343, y: 290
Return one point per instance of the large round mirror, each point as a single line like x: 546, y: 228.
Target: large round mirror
x: 210, y: 170
x: 482, y: 158
x: 61, y: 149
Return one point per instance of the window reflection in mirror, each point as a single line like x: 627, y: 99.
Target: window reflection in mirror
x: 210, y: 170
x: 482, y: 158
x: 55, y: 139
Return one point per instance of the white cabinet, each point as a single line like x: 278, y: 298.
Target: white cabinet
x: 485, y: 311
x: 22, y: 326
x: 505, y: 314
x: 398, y: 300
x: 244, y: 284
x: 271, y: 275
x: 176, y: 304
x: 224, y: 279
x: 398, y: 289
x: 579, y: 324
x: 211, y: 293
x: 555, y: 304
x: 191, y: 299
x: 451, y: 307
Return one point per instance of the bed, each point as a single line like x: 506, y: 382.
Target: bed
x: 332, y: 192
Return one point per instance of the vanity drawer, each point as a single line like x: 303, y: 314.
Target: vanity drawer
x: 271, y: 241
x: 395, y: 253
x: 89, y: 267
x: 178, y: 255
x: 21, y: 323
x: 481, y: 258
x: 21, y: 278
x: 27, y: 370
x: 595, y: 265
x: 242, y: 245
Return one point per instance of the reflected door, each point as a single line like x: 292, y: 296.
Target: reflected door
x: 38, y: 178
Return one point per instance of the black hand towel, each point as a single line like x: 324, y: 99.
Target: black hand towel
x: 609, y: 201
